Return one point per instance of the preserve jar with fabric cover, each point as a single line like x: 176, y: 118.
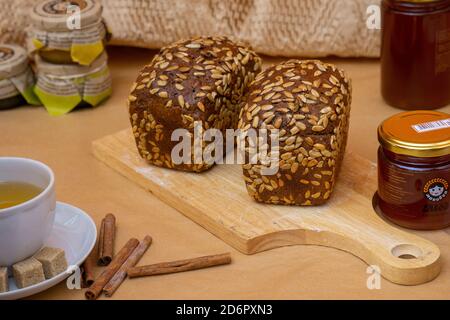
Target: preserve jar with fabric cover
x: 414, y: 169
x: 415, y: 53
x: 16, y: 78
x: 66, y: 32
x: 64, y: 87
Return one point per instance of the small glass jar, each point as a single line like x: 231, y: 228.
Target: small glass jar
x: 415, y: 53
x: 414, y: 169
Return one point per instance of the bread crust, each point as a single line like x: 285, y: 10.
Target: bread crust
x: 309, y: 102
x: 201, y: 79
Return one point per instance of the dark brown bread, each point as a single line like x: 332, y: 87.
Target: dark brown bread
x: 201, y: 79
x: 309, y: 102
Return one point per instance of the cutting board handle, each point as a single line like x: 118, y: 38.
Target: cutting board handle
x: 401, y: 257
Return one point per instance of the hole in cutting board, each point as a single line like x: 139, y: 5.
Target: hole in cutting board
x: 406, y: 251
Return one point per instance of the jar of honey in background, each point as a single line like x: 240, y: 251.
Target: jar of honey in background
x: 414, y: 169
x: 415, y: 53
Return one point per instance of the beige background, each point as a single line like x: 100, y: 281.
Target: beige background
x: 274, y: 27
x: 298, y: 272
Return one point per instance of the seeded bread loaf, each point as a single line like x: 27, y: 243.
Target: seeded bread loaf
x: 202, y: 79
x: 309, y: 102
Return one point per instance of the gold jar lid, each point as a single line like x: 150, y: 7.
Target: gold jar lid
x: 417, y: 133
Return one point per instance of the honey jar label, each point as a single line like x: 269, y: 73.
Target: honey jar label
x: 431, y: 126
x: 436, y: 189
x: 24, y: 83
x: 7, y: 89
x: 21, y: 84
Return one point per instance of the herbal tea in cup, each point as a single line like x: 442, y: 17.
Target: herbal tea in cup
x: 13, y: 193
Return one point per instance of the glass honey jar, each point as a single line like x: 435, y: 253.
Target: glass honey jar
x: 414, y: 169
x: 415, y: 53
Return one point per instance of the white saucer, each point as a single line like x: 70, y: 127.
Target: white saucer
x: 76, y: 233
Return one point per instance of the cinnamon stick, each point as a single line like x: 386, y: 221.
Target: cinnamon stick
x: 96, y: 288
x: 106, y: 240
x: 88, y: 268
x: 132, y: 260
x: 180, y: 266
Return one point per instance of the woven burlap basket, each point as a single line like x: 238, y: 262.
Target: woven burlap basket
x: 274, y: 27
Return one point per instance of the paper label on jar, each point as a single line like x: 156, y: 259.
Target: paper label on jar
x: 7, y: 89
x: 436, y: 192
x: 24, y: 82
x: 20, y: 84
x: 84, y: 45
x: 436, y: 189
x: 432, y: 126
x: 61, y: 95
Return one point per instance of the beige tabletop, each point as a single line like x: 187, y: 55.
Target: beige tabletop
x: 297, y: 272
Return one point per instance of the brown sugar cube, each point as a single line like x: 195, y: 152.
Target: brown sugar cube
x: 53, y: 260
x: 3, y: 279
x: 28, y: 272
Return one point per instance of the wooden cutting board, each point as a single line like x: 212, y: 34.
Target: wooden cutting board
x: 218, y: 201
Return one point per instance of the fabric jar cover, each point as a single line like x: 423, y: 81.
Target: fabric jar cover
x: 63, y: 87
x: 51, y: 29
x: 16, y: 76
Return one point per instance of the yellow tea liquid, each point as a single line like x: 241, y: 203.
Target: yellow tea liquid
x: 13, y: 193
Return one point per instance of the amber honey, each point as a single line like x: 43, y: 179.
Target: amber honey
x: 415, y: 53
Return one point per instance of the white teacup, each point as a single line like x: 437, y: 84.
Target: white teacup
x: 25, y: 227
